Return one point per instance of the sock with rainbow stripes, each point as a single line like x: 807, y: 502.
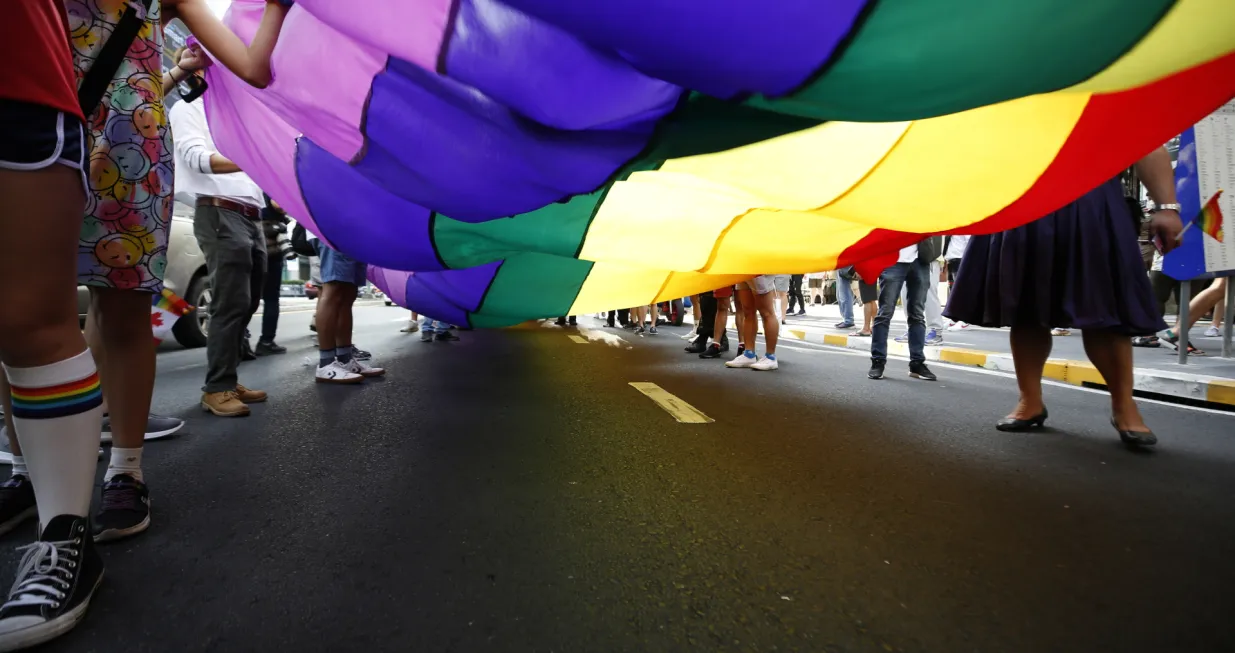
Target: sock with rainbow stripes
x: 58, y: 411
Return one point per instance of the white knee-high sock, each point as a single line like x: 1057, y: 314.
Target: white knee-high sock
x: 58, y: 411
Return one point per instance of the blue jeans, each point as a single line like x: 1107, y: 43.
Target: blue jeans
x: 428, y: 325
x: 844, y: 296
x: 916, y: 276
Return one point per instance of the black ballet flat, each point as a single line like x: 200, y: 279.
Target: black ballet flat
x: 1135, y: 438
x: 1014, y: 425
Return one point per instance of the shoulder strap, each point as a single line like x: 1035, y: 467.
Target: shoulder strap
x: 100, y: 75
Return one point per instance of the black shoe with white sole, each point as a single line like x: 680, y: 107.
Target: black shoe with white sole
x: 125, y: 510
x: 55, y: 582
x: 921, y: 371
x: 16, y: 503
x: 876, y: 370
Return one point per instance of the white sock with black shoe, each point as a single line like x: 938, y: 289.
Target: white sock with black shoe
x: 57, y: 410
x: 124, y: 461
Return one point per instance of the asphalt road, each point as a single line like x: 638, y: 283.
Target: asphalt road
x: 512, y: 492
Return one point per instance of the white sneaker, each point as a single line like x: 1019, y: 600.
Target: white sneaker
x: 742, y: 361
x: 412, y: 327
x: 958, y: 326
x: 1211, y: 332
x: 765, y: 364
x: 336, y: 373
x: 363, y: 369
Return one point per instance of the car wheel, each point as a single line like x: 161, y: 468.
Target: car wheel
x: 676, y: 312
x: 389, y: 303
x: 191, y: 329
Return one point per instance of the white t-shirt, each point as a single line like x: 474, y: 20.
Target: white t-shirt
x: 956, y: 247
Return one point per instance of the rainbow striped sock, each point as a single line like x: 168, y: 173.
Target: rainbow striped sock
x: 61, y: 400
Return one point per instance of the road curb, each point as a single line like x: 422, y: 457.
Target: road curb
x: 1183, y: 385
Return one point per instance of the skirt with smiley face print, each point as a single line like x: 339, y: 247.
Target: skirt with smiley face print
x: 124, y: 234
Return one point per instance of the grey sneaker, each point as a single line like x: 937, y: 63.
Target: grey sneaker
x: 157, y: 427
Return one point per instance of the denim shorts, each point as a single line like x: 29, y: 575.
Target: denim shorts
x: 339, y: 267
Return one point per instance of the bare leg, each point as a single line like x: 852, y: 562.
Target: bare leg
x: 1219, y: 311
x: 1205, y: 300
x: 654, y: 313
x: 1111, y: 353
x: 118, y: 331
x: 771, y: 327
x: 40, y: 222
x: 739, y: 316
x: 342, y: 296
x: 749, y: 325
x: 722, y: 320
x: 869, y: 309
x: 1031, y: 346
x: 327, y: 318
x: 694, y: 308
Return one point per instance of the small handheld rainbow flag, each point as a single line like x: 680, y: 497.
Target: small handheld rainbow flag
x: 1209, y: 219
x: 165, y: 309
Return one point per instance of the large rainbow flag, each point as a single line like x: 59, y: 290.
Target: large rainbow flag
x: 499, y: 160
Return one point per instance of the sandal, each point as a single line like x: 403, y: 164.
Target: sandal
x: 1146, y: 341
x: 1173, y: 340
x: 861, y: 335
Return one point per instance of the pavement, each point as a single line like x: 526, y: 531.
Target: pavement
x: 1208, y: 379
x: 515, y: 492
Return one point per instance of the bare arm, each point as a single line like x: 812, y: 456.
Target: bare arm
x: 221, y: 165
x: 1154, y: 170
x: 250, y: 63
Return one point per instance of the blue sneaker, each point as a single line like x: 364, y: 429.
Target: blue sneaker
x: 933, y: 337
x: 904, y: 337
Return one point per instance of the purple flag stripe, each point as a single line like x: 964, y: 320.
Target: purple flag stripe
x: 724, y: 48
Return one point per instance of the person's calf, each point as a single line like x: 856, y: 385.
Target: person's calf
x: 118, y: 328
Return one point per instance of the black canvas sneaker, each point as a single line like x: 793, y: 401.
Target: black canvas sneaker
x: 55, y: 582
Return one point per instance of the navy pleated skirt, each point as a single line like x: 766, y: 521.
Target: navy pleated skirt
x: 1079, y: 267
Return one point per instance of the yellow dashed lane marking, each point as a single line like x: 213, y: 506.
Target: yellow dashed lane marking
x: 680, y: 410
x: 579, y: 339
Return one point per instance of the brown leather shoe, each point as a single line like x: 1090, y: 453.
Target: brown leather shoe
x: 250, y: 396
x: 224, y: 404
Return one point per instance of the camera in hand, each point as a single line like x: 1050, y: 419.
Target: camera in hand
x: 278, y: 239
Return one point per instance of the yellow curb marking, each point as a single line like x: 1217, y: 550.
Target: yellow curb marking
x: 1222, y: 392
x: 579, y: 339
x: 832, y: 339
x: 1082, y: 373
x: 1056, y: 369
x: 963, y: 356
x: 680, y: 410
x: 797, y: 333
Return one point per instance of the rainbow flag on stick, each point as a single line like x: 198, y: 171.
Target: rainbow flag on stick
x: 165, y: 309
x: 1209, y: 219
